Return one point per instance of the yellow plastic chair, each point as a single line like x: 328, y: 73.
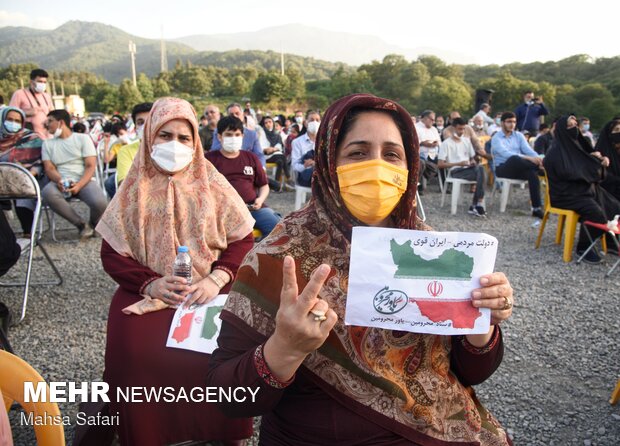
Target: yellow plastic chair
x: 14, y: 371
x: 615, y: 396
x: 271, y: 169
x: 567, y: 223
x: 257, y: 234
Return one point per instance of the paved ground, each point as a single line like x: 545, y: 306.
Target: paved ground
x: 562, y: 353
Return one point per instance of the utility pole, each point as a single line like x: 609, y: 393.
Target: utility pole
x: 281, y: 59
x: 132, y: 52
x: 164, y: 57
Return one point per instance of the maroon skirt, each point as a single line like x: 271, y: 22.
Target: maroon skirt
x: 136, y: 356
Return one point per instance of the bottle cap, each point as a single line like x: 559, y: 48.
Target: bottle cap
x: 183, y: 249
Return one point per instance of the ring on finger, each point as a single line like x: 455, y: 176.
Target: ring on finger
x: 507, y: 303
x: 318, y: 315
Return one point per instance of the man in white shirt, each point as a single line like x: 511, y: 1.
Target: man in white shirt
x: 484, y: 111
x: 69, y: 160
x: 457, y: 154
x: 302, y: 164
x: 429, y: 143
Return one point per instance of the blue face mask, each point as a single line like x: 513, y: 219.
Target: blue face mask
x: 586, y: 127
x: 12, y: 127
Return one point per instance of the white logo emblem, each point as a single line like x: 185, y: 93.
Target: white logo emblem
x: 248, y: 170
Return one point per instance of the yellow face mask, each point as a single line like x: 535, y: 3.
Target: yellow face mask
x: 371, y: 189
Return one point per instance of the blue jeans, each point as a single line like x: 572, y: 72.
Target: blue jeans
x: 266, y: 219
x: 110, y: 185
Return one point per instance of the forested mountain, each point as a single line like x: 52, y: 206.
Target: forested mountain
x: 92, y: 59
x: 103, y: 50
x: 85, y: 46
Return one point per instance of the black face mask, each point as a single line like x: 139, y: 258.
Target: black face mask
x: 615, y: 138
x: 573, y: 132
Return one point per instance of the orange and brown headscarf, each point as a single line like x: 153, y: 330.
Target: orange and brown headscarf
x: 153, y: 213
x: 399, y: 380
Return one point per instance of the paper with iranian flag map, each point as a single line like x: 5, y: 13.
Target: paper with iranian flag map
x: 197, y: 327
x: 418, y: 281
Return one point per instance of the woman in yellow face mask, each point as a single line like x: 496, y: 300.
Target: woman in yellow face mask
x: 320, y: 381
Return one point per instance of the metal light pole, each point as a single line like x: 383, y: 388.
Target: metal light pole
x: 163, y: 56
x: 132, y: 52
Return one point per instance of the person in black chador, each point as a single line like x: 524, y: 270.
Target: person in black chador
x: 575, y: 171
x: 609, y: 145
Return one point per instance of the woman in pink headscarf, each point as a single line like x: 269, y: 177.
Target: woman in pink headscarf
x: 172, y: 196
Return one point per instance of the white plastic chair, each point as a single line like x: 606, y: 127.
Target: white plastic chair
x: 505, y: 184
x: 456, y: 190
x: 301, y: 193
x: 421, y: 212
x: 17, y: 182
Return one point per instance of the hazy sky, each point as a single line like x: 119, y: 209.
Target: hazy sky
x: 490, y: 32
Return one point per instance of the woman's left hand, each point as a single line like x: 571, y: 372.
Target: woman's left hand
x: 202, y: 292
x: 496, y: 294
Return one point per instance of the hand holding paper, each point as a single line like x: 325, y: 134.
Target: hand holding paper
x: 422, y: 281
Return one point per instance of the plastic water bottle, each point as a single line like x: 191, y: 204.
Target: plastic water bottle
x: 183, y: 264
x: 67, y: 184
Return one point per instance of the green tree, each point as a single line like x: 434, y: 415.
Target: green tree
x: 588, y: 92
x: 193, y: 81
x: 146, y: 87
x: 248, y: 72
x: 385, y: 75
x: 129, y: 95
x: 600, y: 110
x: 411, y: 80
x: 160, y: 88
x: 565, y: 100
x: 445, y: 95
x: 271, y: 86
x: 297, y: 84
x: 317, y: 102
x: 220, y: 80
x: 343, y: 83
x: 437, y: 67
x: 100, y: 96
x: 11, y: 78
x: 238, y: 86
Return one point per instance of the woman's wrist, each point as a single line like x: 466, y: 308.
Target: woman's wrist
x: 282, y: 361
x: 216, y: 280
x: 219, y: 277
x: 483, y: 342
x: 147, y: 289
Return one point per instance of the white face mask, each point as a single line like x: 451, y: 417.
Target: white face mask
x: 232, y: 144
x: 140, y: 131
x: 172, y: 156
x: 40, y: 87
x: 299, y: 120
x: 313, y: 127
x: 58, y: 132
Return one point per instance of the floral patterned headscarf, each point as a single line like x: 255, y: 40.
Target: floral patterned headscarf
x: 154, y: 213
x: 399, y: 380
